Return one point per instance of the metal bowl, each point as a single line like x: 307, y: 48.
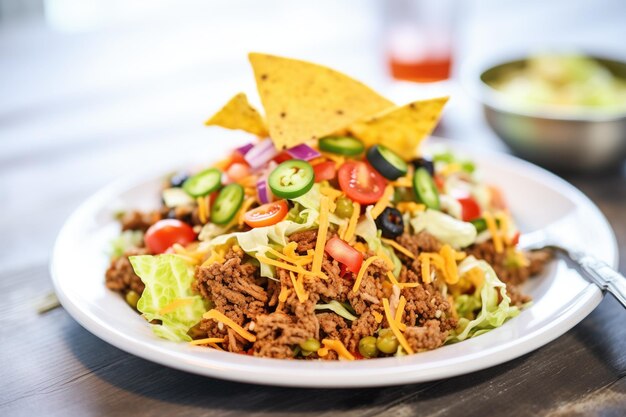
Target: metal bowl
x: 583, y: 141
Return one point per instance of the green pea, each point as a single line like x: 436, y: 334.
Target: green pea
x: 367, y: 347
x: 387, y: 341
x: 132, y: 298
x: 310, y: 345
x: 344, y: 207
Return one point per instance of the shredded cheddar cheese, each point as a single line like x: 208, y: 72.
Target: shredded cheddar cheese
x: 298, y: 287
x: 403, y: 182
x: 359, y: 277
x: 425, y: 268
x: 410, y: 207
x: 392, y: 278
x: 378, y: 318
x: 202, y: 216
x: 318, y: 256
x: 284, y: 294
x: 400, y: 309
x: 384, y: 257
x: 293, y: 268
x: 398, y: 247
x: 207, y: 341
x: 383, y: 202
x: 495, y: 233
x: 215, y: 346
x: 175, y: 305
x: 394, y: 328
x: 356, y: 211
x: 338, y: 347
x: 451, y: 271
x: 219, y: 317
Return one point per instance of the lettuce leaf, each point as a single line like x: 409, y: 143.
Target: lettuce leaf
x: 492, y: 314
x: 445, y: 228
x: 168, y: 278
x: 126, y: 240
x: 336, y: 307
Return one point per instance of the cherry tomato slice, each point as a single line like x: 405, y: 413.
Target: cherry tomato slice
x: 324, y: 171
x: 497, y: 198
x: 165, y: 233
x: 470, y: 208
x: 237, y: 171
x: 361, y: 182
x: 267, y: 214
x: 345, y: 254
x: 282, y: 157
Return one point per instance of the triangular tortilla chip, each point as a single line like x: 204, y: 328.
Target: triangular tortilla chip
x: 400, y: 128
x: 240, y: 115
x: 305, y: 101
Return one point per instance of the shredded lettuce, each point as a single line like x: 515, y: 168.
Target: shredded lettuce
x: 126, y: 240
x: 337, y: 308
x: 168, y: 279
x: 445, y: 228
x: 492, y: 314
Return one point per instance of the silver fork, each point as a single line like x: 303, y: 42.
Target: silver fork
x: 589, y: 267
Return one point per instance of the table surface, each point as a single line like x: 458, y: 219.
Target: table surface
x: 61, y: 141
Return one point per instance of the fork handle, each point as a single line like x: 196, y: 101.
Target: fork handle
x: 608, y: 279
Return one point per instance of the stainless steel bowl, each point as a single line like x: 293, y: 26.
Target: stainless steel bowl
x: 583, y: 142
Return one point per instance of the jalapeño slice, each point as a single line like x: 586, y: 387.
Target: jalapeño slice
x: 425, y: 188
x: 291, y: 179
x: 227, y: 204
x: 342, y: 145
x: 203, y: 183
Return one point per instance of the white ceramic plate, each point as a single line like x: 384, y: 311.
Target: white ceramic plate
x: 538, y: 198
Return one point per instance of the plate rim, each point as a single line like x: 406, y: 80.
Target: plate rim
x: 333, y: 375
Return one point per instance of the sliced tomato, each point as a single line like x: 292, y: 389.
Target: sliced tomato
x: 361, y: 182
x: 343, y: 253
x: 237, y: 157
x: 515, y: 239
x: 439, y: 182
x: 267, y: 214
x: 237, y: 171
x: 165, y: 233
x: 282, y: 157
x: 324, y: 171
x: 470, y: 208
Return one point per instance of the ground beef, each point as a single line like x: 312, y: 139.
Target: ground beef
x: 277, y: 334
x: 139, y: 220
x: 426, y: 337
x: 306, y: 240
x: 363, y: 326
x: 370, y: 291
x: 421, y: 242
x: 510, y: 274
x: 232, y: 287
x: 425, y: 303
x: 331, y: 325
x: 335, y: 287
x: 120, y: 276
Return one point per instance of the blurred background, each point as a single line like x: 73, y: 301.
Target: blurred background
x: 93, y: 90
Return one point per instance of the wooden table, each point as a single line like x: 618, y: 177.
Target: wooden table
x: 54, y: 152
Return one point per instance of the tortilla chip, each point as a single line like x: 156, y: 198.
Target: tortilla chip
x: 305, y: 101
x: 238, y: 114
x: 402, y: 128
